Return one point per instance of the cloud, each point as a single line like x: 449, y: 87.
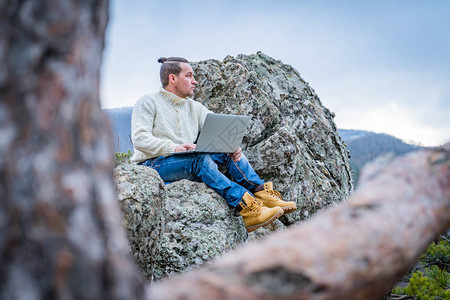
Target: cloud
x: 397, y: 120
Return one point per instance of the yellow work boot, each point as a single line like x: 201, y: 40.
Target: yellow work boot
x: 254, y: 214
x: 271, y: 198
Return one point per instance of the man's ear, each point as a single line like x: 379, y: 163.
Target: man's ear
x: 172, y: 78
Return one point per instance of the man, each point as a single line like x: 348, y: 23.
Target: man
x: 169, y: 121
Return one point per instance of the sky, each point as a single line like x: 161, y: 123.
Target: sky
x: 382, y: 66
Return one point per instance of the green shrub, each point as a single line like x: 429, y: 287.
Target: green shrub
x: 438, y: 254
x: 121, y: 158
x: 432, y: 281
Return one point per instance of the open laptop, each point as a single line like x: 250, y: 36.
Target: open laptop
x: 221, y: 133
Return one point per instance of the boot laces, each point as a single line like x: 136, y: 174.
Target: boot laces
x: 255, y: 206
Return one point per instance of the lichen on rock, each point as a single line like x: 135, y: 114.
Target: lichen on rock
x: 177, y: 227
x: 199, y: 226
x: 292, y: 139
x: 142, y: 195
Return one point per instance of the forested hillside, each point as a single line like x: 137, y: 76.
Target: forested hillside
x: 365, y: 146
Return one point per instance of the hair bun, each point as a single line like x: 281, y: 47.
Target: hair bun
x: 162, y: 59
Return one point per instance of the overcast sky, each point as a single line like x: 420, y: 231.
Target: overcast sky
x: 382, y: 66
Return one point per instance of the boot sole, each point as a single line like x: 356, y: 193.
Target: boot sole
x: 289, y: 209
x: 276, y: 216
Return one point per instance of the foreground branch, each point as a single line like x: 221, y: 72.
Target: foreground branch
x: 356, y: 250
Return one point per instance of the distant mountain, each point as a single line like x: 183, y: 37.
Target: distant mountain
x: 365, y: 146
x: 348, y: 135
x: 121, y: 123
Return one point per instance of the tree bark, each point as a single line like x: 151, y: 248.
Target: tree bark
x: 60, y: 229
x: 356, y: 250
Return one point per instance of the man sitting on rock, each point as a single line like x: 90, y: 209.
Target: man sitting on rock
x: 169, y: 121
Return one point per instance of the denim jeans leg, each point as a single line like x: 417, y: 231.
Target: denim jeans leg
x: 205, y: 168
x: 173, y: 168
x: 197, y: 167
x: 241, y: 171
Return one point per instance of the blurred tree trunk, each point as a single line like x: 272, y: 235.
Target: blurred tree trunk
x: 60, y: 230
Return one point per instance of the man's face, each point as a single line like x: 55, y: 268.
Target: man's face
x: 185, y: 82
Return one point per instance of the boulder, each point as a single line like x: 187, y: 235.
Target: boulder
x: 292, y: 139
x: 141, y: 195
x: 199, y: 226
x: 177, y: 227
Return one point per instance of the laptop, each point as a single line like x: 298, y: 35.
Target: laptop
x: 221, y: 133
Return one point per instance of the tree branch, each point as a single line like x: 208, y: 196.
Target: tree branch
x: 356, y: 250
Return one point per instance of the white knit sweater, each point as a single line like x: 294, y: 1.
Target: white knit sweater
x: 161, y: 121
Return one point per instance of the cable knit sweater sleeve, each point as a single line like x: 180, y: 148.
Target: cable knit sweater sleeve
x: 144, y: 141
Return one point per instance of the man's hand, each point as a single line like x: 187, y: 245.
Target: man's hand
x: 185, y: 147
x: 236, y: 155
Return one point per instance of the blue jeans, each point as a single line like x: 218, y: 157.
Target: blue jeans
x: 204, y: 167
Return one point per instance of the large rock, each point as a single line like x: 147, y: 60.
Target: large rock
x: 142, y: 195
x: 292, y: 139
x: 199, y: 225
x: 179, y: 226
